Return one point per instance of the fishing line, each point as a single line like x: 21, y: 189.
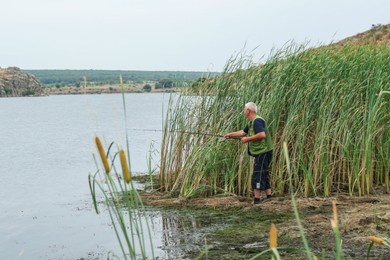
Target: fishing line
x: 184, y: 132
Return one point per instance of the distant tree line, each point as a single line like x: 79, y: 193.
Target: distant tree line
x: 166, y: 83
x: 164, y: 79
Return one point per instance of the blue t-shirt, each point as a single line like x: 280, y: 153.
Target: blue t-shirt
x: 258, y: 124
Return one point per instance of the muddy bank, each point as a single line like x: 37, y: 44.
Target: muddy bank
x: 244, y: 228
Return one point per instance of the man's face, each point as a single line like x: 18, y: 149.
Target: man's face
x: 246, y: 112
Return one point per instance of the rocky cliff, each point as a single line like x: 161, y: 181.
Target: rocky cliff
x: 16, y: 83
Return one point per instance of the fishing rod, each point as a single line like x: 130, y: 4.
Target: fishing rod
x: 186, y: 132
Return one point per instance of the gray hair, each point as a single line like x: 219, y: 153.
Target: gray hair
x: 251, y: 106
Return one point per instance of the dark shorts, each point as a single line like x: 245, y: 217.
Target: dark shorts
x: 260, y: 177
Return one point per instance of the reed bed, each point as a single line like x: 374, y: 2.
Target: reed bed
x: 330, y: 105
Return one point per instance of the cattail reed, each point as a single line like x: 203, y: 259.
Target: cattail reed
x: 125, y: 167
x: 123, y: 202
x: 376, y: 240
x: 334, y: 222
x: 335, y: 227
x: 273, y: 237
x: 102, y: 154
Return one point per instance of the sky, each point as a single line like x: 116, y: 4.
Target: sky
x: 170, y: 35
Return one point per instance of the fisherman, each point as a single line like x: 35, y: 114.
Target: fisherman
x: 259, y: 146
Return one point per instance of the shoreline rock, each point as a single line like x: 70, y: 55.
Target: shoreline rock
x: 16, y: 83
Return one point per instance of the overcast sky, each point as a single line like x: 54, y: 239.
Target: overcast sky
x: 185, y: 35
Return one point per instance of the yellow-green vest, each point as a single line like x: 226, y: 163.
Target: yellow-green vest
x: 259, y: 146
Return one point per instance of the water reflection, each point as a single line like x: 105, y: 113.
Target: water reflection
x: 182, y: 235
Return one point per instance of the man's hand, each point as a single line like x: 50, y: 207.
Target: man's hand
x: 244, y: 140
x: 234, y: 134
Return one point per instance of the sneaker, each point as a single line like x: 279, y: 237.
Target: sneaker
x: 256, y: 201
x: 269, y: 196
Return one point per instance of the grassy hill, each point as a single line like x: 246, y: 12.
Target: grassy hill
x: 378, y: 34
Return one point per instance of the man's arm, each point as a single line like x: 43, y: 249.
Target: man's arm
x: 235, y: 134
x: 252, y: 138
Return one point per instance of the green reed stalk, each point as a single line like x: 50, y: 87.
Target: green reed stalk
x: 151, y: 169
x: 294, y: 203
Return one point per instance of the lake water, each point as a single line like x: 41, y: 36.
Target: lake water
x: 46, y: 146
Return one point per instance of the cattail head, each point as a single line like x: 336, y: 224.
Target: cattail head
x: 334, y: 222
x: 102, y: 154
x: 125, y: 167
x: 273, y: 237
x: 376, y: 240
